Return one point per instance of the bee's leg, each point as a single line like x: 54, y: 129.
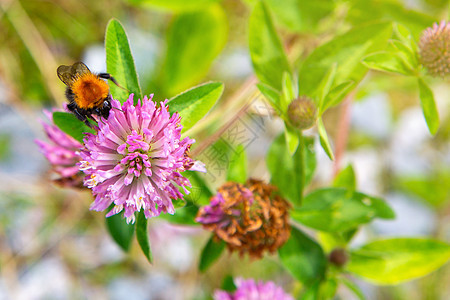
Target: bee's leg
x: 83, y: 118
x: 72, y: 107
x: 109, y: 77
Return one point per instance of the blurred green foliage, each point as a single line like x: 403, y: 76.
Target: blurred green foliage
x: 5, y: 146
x: 313, y: 48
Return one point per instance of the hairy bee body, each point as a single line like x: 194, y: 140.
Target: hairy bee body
x: 88, y: 93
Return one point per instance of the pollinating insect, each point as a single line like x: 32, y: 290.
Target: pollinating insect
x: 88, y: 93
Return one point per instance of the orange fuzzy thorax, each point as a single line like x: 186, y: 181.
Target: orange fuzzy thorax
x: 89, y: 90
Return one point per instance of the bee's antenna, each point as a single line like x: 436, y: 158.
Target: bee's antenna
x: 117, y: 108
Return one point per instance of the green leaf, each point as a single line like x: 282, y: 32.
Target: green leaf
x: 284, y: 170
x: 346, y: 178
x: 346, y: 51
x: 183, y: 215
x: 120, y: 231
x: 337, y: 94
x: 338, y: 209
x: 324, y: 142
x: 330, y: 241
x: 292, y: 139
x: 364, y: 11
x: 421, y: 185
x: 392, y: 261
x: 328, y: 288
x: 288, y: 87
x: 194, y: 39
x: 388, y: 62
x: 288, y: 93
x: 349, y: 234
x: 299, y: 15
x: 325, y: 86
x: 353, y: 287
x: 237, y: 168
x: 195, y: 103
x: 120, y: 63
x: 268, y: 57
x: 303, y: 258
x: 381, y: 208
x: 174, y: 5
x: 273, y: 96
x: 408, y: 55
x: 312, y: 291
x: 309, y: 157
x: 429, y: 108
x: 200, y: 193
x: 325, y: 289
x: 228, y: 284
x: 142, y: 236
x: 210, y: 253
x: 402, y: 32
x: 69, y: 123
x: 407, y: 39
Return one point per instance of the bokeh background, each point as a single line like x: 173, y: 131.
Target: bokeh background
x: 53, y: 247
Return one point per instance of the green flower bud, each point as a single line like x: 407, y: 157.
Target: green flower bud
x: 434, y: 49
x: 302, y: 113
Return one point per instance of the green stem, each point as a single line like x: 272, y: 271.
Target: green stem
x: 301, y: 166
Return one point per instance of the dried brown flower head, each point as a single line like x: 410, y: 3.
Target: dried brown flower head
x: 250, y: 217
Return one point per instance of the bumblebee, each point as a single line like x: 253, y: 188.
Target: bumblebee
x: 88, y: 93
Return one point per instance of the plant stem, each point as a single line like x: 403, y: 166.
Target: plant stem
x: 342, y: 134
x: 301, y: 166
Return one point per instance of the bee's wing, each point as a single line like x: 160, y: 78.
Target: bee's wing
x: 65, y: 74
x: 80, y: 68
x: 68, y: 74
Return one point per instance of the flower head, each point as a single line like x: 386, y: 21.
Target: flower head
x: 434, y: 49
x: 136, y: 158
x: 251, y: 290
x: 250, y: 218
x: 62, y: 153
x: 302, y: 113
